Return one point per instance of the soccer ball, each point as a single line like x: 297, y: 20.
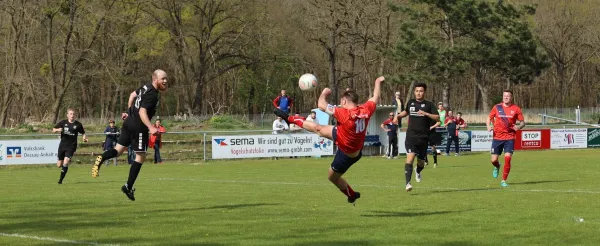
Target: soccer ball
x: 307, y: 82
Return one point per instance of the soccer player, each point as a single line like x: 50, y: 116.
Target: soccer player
x: 505, y: 116
x: 348, y: 134
x: 435, y: 138
x: 142, y: 106
x: 69, y: 129
x: 421, y: 117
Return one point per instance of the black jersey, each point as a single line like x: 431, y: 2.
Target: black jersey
x: 68, y: 135
x: 147, y: 97
x: 418, y: 126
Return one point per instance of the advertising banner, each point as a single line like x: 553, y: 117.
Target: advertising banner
x: 481, y: 141
x: 593, y: 138
x: 534, y: 139
x: 464, y: 142
x: 569, y: 138
x: 19, y: 152
x: 277, y: 145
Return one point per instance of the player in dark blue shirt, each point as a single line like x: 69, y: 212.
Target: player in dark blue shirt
x: 143, y: 103
x: 69, y: 129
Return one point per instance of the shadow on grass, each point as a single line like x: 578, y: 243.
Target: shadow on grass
x: 429, y: 192
x: 407, y: 213
x: 339, y: 242
x: 229, y: 206
x: 541, y: 182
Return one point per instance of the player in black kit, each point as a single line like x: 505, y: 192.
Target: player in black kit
x: 421, y: 115
x: 69, y: 129
x: 142, y: 106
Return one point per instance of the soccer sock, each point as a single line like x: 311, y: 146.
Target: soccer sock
x: 419, y: 168
x: 434, y: 157
x: 133, y: 173
x: 63, y: 172
x: 298, y: 122
x: 506, y: 167
x: 349, y: 192
x: 496, y: 164
x: 408, y: 169
x: 109, y: 154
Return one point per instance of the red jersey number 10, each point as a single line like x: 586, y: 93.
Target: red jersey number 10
x: 360, y: 125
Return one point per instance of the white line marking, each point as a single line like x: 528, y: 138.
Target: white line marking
x: 50, y: 239
x: 383, y: 186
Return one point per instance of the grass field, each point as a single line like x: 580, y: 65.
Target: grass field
x: 290, y: 202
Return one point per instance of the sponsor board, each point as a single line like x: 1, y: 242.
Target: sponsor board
x: 569, y: 138
x: 29, y: 152
x: 593, y: 138
x: 481, y: 140
x: 276, y: 145
x: 464, y: 142
x: 533, y: 139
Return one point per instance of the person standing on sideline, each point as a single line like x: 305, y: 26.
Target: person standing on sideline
x: 399, y: 104
x: 422, y: 115
x: 142, y: 104
x: 505, y: 116
x: 453, y: 125
x: 112, y: 134
x: 312, y: 116
x: 283, y: 102
x: 442, y: 113
x: 392, y: 133
x: 69, y: 129
x: 156, y: 141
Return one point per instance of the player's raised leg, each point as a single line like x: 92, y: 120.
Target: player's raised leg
x: 109, y: 154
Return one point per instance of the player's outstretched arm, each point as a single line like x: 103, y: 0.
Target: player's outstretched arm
x: 488, y: 123
x: 400, y: 116
x: 434, y: 126
x: 377, y: 90
x: 146, y: 120
x: 132, y: 97
x: 322, y: 103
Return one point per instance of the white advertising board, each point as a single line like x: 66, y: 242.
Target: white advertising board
x: 276, y: 145
x: 18, y: 152
x: 481, y: 140
x: 568, y: 138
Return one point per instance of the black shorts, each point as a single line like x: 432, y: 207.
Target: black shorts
x: 417, y: 146
x: 135, y: 135
x: 66, y: 151
x: 341, y: 162
x: 435, y: 139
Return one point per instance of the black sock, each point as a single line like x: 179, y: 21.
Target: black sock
x: 109, y: 154
x: 408, y: 169
x: 134, y: 170
x: 434, y: 157
x: 419, y: 169
x: 63, y: 172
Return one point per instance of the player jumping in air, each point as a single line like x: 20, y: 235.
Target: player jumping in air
x: 421, y: 117
x: 142, y: 106
x: 69, y: 129
x: 349, y: 133
x: 505, y: 116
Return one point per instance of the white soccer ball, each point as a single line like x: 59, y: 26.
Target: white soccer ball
x: 307, y: 82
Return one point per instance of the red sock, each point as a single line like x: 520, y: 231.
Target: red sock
x: 496, y: 164
x: 506, y: 167
x: 298, y: 121
x: 348, y: 192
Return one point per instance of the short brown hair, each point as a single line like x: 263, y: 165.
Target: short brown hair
x: 509, y: 91
x: 351, y: 95
x: 71, y: 109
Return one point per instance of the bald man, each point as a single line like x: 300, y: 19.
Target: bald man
x: 136, y: 127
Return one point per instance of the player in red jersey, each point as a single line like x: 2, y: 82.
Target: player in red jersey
x: 348, y: 134
x: 505, y: 116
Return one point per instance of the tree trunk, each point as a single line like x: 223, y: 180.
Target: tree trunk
x: 446, y: 95
x: 561, y: 74
x: 332, y: 67
x: 480, y: 81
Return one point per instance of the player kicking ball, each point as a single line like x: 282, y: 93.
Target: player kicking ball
x: 505, y: 116
x: 422, y: 115
x: 348, y: 134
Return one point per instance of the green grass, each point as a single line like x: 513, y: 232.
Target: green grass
x: 290, y: 202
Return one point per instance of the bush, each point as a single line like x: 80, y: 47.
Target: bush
x: 226, y: 122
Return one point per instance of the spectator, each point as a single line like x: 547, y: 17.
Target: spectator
x: 399, y: 103
x: 112, y: 135
x: 443, y: 114
x: 453, y: 125
x: 283, y: 102
x: 278, y: 127
x: 156, y: 141
x: 392, y: 133
x: 312, y: 116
